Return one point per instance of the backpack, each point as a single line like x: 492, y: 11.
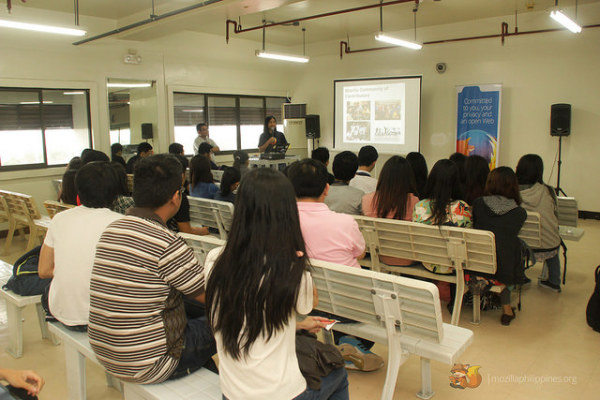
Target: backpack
x: 592, y: 311
x: 25, y: 280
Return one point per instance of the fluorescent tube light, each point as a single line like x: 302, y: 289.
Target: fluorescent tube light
x: 565, y: 21
x: 36, y: 102
x: 197, y: 110
x: 398, y: 42
x: 128, y: 85
x: 282, y: 57
x: 73, y: 93
x: 41, y: 28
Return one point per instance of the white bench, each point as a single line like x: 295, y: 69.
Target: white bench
x: 24, y: 213
x: 568, y: 214
x: 400, y: 312
x: 212, y: 213
x: 460, y: 248
x: 531, y: 231
x: 201, y: 244
x: 202, y: 384
x: 14, y: 309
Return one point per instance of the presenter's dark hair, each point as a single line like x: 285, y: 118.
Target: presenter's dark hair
x: 230, y: 176
x: 115, y: 148
x: 175, y: 148
x: 395, y: 183
x: 200, y: 170
x: 530, y: 170
x: 200, y: 125
x: 267, y: 120
x: 68, y: 193
x: 122, y: 186
x: 443, y: 187
x: 502, y: 181
x: 477, y: 169
x: 419, y: 167
x: 320, y: 154
x: 97, y: 184
x: 308, y: 177
x: 262, y: 252
x: 155, y: 180
x: 94, y: 155
x: 367, y: 156
x: 345, y: 165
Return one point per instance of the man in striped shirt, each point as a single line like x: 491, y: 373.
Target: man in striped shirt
x: 138, y: 327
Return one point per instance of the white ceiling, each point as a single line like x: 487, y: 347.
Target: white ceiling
x: 211, y: 18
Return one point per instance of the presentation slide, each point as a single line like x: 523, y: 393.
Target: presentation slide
x: 383, y: 112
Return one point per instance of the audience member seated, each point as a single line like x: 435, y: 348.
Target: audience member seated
x: 394, y: 197
x: 116, y: 152
x: 419, y: 168
x: 367, y: 157
x: 67, y: 254
x: 229, y: 183
x: 68, y: 193
x: 94, y: 155
x: 539, y: 197
x: 477, y: 169
x: 499, y: 211
x: 241, y: 161
x: 124, y: 201
x: 138, y: 327
x: 176, y: 149
x: 322, y: 154
x: 75, y: 163
x: 333, y: 237
x: 181, y: 222
x: 256, y: 287
x: 441, y: 205
x: 25, y: 380
x: 202, y: 179
x: 343, y: 198
x: 459, y: 159
x: 205, y: 149
x: 144, y: 150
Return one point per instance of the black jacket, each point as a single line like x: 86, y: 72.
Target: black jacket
x: 506, y: 226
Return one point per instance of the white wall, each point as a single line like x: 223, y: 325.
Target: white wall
x: 535, y: 71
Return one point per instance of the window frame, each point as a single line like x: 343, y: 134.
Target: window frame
x: 39, y: 90
x: 206, y: 94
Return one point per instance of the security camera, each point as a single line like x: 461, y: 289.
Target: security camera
x: 440, y: 67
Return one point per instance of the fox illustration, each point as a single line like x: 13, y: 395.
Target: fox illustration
x: 465, y: 376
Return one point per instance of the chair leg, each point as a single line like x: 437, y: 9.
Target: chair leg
x: 9, y: 236
x: 33, y: 235
x: 15, y: 330
x: 426, y: 390
x: 458, y: 299
x: 113, y: 382
x: 46, y: 334
x: 396, y: 357
x: 75, y: 365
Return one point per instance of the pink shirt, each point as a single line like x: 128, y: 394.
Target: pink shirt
x: 330, y: 236
x: 368, y: 209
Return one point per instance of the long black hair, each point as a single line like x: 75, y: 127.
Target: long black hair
x: 267, y: 120
x: 231, y: 176
x: 200, y: 170
x: 443, y: 186
x: 254, y: 285
x: 530, y: 170
x: 395, y: 183
x: 419, y: 167
x: 477, y: 169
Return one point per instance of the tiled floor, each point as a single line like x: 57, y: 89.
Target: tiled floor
x: 548, y: 352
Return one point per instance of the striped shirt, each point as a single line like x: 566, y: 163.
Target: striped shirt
x: 137, y: 318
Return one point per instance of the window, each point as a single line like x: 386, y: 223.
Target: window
x: 235, y: 122
x: 42, y: 127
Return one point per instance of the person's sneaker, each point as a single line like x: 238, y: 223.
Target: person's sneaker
x: 551, y: 286
x: 357, y: 357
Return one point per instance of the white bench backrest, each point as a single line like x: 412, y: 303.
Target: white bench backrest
x: 568, y: 211
x: 201, y: 244
x: 449, y: 246
x: 531, y: 231
x: 212, y: 213
x: 402, y: 306
x: 54, y: 207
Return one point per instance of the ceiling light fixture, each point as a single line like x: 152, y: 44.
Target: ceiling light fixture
x: 565, y: 21
x: 128, y: 85
x: 382, y: 37
x: 283, y: 57
x: 36, y: 102
x: 73, y: 93
x: 41, y: 28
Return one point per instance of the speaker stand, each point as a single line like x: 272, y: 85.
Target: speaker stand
x: 558, y: 190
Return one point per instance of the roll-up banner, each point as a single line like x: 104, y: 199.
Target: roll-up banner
x: 478, y: 121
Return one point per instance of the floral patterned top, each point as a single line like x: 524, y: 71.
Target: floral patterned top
x: 458, y: 213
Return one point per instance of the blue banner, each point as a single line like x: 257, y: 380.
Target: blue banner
x: 478, y: 121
